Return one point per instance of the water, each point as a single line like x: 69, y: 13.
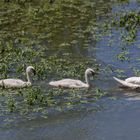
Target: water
x: 63, y: 43
x: 117, y: 120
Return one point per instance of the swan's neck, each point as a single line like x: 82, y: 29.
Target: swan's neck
x: 29, y: 78
x: 87, y: 78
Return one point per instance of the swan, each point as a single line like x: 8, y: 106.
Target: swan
x: 72, y: 83
x: 17, y: 83
x: 132, y: 82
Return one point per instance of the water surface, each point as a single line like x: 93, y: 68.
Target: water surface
x: 61, y: 40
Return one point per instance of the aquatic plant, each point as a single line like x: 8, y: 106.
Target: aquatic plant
x: 58, y: 39
x: 129, y: 21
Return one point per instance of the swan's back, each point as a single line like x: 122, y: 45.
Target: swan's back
x: 13, y: 83
x: 127, y: 84
x: 69, y: 83
x: 133, y: 80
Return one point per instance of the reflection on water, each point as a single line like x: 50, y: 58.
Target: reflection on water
x: 70, y: 44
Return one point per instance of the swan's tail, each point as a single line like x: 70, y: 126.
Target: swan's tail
x: 126, y: 84
x: 1, y: 83
x: 51, y: 83
x: 120, y: 81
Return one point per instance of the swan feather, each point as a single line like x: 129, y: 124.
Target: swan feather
x: 72, y: 83
x: 128, y: 83
x: 17, y: 83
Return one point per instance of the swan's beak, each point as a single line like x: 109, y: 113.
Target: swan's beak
x: 93, y: 73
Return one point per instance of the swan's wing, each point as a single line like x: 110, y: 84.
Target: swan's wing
x: 68, y: 83
x: 62, y: 83
x: 133, y: 80
x: 55, y: 83
x: 127, y: 84
x: 13, y: 83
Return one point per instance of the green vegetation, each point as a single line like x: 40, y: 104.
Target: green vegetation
x: 130, y: 22
x: 46, y: 36
x: 57, y: 39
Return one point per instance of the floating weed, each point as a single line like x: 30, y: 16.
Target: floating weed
x: 128, y: 20
x: 32, y: 96
x: 120, y: 72
x: 11, y: 104
x: 136, y: 72
x: 99, y: 93
x: 55, y: 39
x: 123, y: 56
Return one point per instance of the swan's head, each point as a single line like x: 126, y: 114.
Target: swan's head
x: 89, y: 72
x: 30, y: 70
